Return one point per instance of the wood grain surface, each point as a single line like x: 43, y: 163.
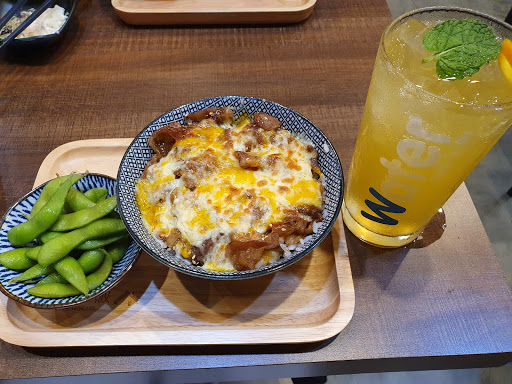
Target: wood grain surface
x: 443, y: 303
x: 106, y: 79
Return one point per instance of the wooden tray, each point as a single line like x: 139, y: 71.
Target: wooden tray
x: 169, y: 12
x: 309, y: 301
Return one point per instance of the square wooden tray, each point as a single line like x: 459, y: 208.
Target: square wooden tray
x: 175, y: 12
x: 309, y: 301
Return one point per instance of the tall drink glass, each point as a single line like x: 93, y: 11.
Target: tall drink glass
x: 420, y: 135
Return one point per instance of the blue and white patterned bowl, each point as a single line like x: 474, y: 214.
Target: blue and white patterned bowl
x: 17, y: 214
x: 139, y: 153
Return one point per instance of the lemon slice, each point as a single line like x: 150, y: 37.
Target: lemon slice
x: 505, y: 59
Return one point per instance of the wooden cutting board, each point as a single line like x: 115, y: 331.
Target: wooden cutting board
x: 309, y: 301
x: 179, y: 12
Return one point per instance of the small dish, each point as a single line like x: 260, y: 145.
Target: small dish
x: 17, y: 213
x: 139, y: 153
x: 42, y: 41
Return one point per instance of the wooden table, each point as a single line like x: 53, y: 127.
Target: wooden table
x: 441, y: 303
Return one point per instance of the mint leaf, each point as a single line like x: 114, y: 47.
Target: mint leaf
x: 461, y: 47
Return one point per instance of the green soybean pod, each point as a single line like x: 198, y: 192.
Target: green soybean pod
x: 77, y: 201
x: 47, y: 236
x: 16, y: 259
x: 27, y: 231
x: 69, y: 268
x: 83, y: 217
x: 91, y: 260
x: 95, y: 279
x: 59, y: 290
x: 118, y: 249
x: 96, y: 194
x: 33, y: 272
x: 32, y: 252
x: 66, y: 209
x: 47, y: 192
x: 53, y: 290
x: 54, y: 277
x: 101, y: 242
x: 59, y: 247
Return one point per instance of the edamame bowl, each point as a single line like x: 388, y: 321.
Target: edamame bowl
x: 19, y: 212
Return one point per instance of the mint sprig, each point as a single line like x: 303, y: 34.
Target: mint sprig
x: 460, y: 47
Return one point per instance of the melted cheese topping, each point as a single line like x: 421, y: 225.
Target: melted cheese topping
x: 200, y: 188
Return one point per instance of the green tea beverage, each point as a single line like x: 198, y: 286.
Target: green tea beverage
x: 438, y: 101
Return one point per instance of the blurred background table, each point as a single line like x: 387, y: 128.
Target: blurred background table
x: 440, y: 303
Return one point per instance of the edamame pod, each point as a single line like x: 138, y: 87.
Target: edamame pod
x: 85, y: 216
x: 96, y: 194
x: 33, y: 272
x: 47, y: 192
x: 77, y: 201
x: 101, y: 242
x: 52, y: 278
x: 73, y: 273
x: 58, y: 290
x: 95, y: 279
x: 91, y: 260
x: 16, y: 259
x: 59, y: 247
x: 47, y: 236
x: 32, y: 253
x: 27, y: 231
x: 53, y: 290
x: 118, y: 249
